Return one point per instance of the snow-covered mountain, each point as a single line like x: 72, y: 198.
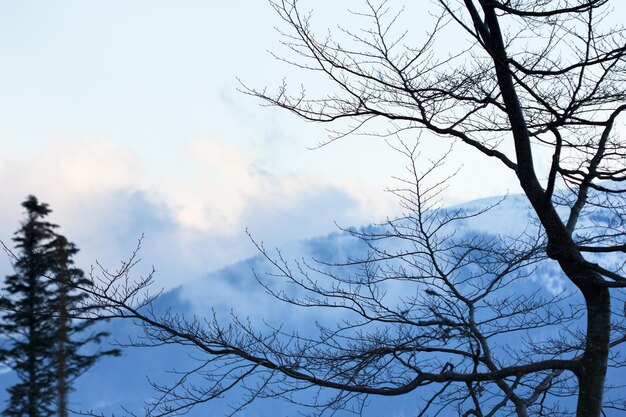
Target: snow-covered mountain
x: 115, y: 384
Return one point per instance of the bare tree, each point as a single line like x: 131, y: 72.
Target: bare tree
x: 533, y: 77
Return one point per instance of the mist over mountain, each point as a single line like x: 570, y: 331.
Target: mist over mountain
x: 117, y: 384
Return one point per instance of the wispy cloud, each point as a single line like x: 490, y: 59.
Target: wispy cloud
x: 193, y: 218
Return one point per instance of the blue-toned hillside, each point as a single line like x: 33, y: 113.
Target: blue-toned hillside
x: 117, y: 384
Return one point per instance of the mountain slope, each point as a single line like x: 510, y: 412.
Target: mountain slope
x: 124, y: 382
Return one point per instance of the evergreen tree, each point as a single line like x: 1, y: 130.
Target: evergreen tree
x: 28, y: 321
x: 46, y: 319
x: 71, y: 335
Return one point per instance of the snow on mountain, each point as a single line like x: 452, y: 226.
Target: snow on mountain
x: 124, y: 382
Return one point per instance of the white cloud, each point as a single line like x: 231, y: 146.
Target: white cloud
x: 229, y: 189
x: 194, y: 220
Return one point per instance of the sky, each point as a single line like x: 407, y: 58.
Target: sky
x: 126, y: 117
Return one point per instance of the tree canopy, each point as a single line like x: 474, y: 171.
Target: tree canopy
x: 525, y: 78
x: 45, y: 319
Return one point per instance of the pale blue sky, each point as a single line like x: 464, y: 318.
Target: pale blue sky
x: 116, y: 111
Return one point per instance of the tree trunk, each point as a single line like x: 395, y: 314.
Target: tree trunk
x: 561, y: 247
x: 61, y: 354
x: 33, y: 312
x: 593, y: 366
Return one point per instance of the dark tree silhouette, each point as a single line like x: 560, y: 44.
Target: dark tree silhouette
x: 42, y: 302
x: 27, y: 321
x: 472, y: 326
x: 72, y: 334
